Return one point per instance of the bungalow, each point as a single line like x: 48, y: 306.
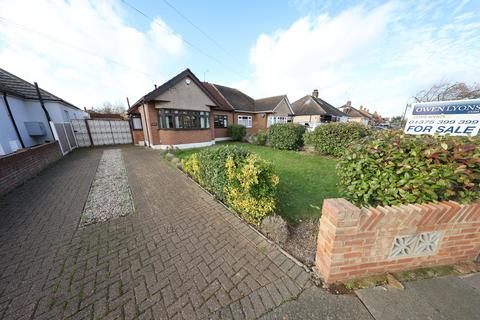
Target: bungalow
x: 356, y: 115
x: 177, y: 113
x: 25, y: 113
x: 187, y: 113
x: 312, y: 111
x: 254, y: 114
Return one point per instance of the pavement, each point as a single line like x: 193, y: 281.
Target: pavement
x: 450, y: 297
x: 180, y: 255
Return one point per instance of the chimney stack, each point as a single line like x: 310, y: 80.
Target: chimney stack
x: 315, y: 93
x: 349, y: 103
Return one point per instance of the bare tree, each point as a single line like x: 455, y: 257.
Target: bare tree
x: 448, y: 91
x: 109, y: 107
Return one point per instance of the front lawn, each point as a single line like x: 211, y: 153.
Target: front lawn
x: 305, y: 180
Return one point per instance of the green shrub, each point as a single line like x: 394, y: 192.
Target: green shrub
x: 259, y: 138
x: 245, y: 182
x: 237, y: 132
x: 208, y: 167
x: 287, y: 136
x: 391, y: 168
x: 335, y: 137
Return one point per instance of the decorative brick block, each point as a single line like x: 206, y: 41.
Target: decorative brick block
x: 356, y: 241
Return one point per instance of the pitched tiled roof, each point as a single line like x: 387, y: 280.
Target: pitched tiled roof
x: 351, y: 111
x: 169, y: 84
x: 267, y: 104
x: 219, y: 99
x: 365, y: 113
x: 237, y: 99
x: 16, y: 86
x: 310, y: 105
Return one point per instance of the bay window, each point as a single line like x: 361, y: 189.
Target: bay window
x: 245, y: 121
x: 183, y: 119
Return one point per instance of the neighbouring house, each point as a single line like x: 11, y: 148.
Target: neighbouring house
x: 361, y: 114
x: 106, y: 116
x: 187, y: 113
x: 354, y: 114
x: 312, y: 111
x: 254, y: 114
x: 24, y: 115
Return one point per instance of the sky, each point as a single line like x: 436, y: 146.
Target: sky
x: 374, y: 53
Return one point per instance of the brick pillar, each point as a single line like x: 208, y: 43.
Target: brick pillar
x: 339, y: 222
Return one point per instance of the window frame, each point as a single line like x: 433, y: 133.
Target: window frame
x: 276, y: 119
x: 223, y: 119
x: 249, y: 121
x: 136, y: 116
x: 178, y: 121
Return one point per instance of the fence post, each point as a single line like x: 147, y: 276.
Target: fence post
x: 88, y: 131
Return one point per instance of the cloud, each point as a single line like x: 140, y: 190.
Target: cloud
x: 377, y: 56
x: 84, y: 51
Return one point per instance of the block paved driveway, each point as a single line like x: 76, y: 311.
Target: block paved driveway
x: 180, y: 255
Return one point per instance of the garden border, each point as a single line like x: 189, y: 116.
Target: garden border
x: 288, y: 255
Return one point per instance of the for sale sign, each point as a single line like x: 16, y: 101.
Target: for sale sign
x: 456, y: 118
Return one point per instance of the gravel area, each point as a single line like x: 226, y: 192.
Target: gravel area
x: 109, y: 195
x: 302, y: 243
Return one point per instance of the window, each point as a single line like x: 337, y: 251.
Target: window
x: 274, y: 119
x: 183, y: 119
x: 220, y: 121
x: 136, y: 122
x: 245, y: 121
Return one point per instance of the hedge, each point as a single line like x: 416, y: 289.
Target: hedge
x: 242, y: 180
x: 391, y: 168
x: 335, y: 137
x: 287, y: 136
x: 259, y: 138
x: 237, y: 132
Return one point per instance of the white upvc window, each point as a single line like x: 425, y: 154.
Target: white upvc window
x: 276, y: 119
x: 245, y: 121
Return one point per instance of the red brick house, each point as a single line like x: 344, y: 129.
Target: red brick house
x: 186, y: 113
x: 254, y: 114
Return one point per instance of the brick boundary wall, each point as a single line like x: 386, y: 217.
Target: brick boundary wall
x: 24, y: 164
x: 355, y: 242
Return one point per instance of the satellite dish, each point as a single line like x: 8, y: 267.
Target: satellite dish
x: 188, y: 81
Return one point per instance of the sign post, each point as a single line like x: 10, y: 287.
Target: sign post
x: 456, y: 118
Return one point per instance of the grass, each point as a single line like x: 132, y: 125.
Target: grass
x: 305, y: 180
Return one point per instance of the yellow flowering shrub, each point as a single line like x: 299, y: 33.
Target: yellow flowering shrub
x: 242, y: 180
x: 251, y: 187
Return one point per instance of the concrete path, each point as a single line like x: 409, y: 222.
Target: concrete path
x: 450, y: 297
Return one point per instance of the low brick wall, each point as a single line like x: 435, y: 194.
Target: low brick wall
x: 354, y: 242
x: 20, y: 166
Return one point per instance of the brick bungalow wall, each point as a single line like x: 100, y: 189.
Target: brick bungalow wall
x: 20, y: 166
x: 137, y: 136
x: 354, y: 242
x: 223, y: 132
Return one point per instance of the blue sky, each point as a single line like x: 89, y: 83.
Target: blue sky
x: 374, y: 53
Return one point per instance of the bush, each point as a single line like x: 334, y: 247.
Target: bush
x: 287, y: 136
x: 208, y: 167
x: 259, y: 138
x: 237, y: 132
x: 335, y: 137
x: 245, y: 182
x: 391, y: 168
